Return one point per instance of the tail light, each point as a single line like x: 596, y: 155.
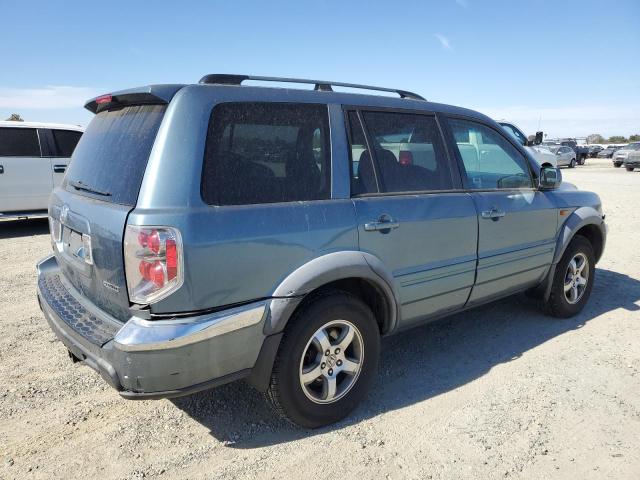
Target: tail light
x: 153, y: 262
x: 405, y: 157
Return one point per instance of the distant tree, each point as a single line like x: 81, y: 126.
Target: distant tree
x: 595, y: 138
x: 617, y: 139
x: 634, y: 138
x: 15, y: 117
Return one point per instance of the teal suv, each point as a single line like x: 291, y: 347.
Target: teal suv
x: 217, y: 231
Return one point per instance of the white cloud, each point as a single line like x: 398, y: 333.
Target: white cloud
x: 571, y: 121
x: 444, y: 41
x: 45, y: 98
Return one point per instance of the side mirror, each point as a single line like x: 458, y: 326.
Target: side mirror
x: 550, y: 178
x: 539, y: 138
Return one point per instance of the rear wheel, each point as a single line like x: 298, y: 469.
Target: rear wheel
x: 573, y: 163
x: 617, y: 165
x: 327, y: 361
x: 573, y: 279
x: 629, y: 169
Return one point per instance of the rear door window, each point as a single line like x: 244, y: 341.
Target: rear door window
x: 65, y: 142
x: 266, y: 153
x: 408, y: 152
x: 19, y: 142
x: 112, y: 154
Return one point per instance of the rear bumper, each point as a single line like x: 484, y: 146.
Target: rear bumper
x: 154, y: 359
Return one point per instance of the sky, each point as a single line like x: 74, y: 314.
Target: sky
x: 570, y: 68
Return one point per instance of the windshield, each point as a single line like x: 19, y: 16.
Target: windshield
x: 111, y: 157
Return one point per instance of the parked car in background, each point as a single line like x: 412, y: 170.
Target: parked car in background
x: 581, y: 151
x: 608, y: 153
x: 594, y: 150
x: 542, y: 155
x: 33, y: 161
x: 213, y: 232
x: 565, y: 156
x: 632, y: 160
x: 622, y: 153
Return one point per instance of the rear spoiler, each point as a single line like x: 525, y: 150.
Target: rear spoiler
x: 149, y: 95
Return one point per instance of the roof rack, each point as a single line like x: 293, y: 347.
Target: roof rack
x: 320, y: 85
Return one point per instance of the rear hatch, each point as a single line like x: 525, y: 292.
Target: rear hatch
x: 88, y: 213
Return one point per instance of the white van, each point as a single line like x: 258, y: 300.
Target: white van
x: 33, y: 160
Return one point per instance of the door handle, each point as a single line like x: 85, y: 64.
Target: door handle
x: 1, y: 169
x: 384, y: 224
x: 59, y: 168
x: 493, y: 214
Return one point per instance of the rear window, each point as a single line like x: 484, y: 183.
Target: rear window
x: 112, y: 155
x: 66, y: 141
x: 19, y: 142
x: 266, y: 153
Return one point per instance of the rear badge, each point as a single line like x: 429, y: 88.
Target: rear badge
x: 111, y: 286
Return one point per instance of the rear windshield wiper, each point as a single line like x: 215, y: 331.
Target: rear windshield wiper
x: 78, y: 185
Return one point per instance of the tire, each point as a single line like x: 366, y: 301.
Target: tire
x: 310, y: 405
x: 629, y: 169
x: 617, y: 165
x: 582, y: 161
x: 559, y: 303
x: 573, y: 163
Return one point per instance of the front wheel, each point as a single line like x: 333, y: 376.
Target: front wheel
x: 617, y: 165
x: 327, y: 361
x: 629, y: 169
x: 573, y: 279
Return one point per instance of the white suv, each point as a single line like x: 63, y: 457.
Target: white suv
x: 33, y: 160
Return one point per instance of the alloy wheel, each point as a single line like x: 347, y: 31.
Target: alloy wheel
x: 576, y: 278
x: 331, y: 362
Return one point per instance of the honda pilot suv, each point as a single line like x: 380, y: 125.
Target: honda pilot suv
x: 213, y: 232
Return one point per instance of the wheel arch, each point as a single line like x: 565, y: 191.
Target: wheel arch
x: 585, y: 221
x: 356, y: 272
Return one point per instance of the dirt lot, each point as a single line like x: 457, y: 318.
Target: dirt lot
x: 501, y: 391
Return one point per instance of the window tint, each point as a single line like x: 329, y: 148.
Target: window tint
x: 66, y: 141
x: 408, y: 151
x: 266, y: 153
x: 489, y: 159
x: 19, y: 142
x: 112, y: 154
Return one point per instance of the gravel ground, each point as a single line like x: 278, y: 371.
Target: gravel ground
x: 498, y: 392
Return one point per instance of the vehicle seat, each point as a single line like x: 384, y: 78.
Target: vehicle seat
x: 303, y: 177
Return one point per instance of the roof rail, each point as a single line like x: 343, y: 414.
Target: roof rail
x: 321, y: 85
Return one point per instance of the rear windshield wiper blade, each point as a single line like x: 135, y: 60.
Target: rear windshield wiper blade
x: 78, y: 185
